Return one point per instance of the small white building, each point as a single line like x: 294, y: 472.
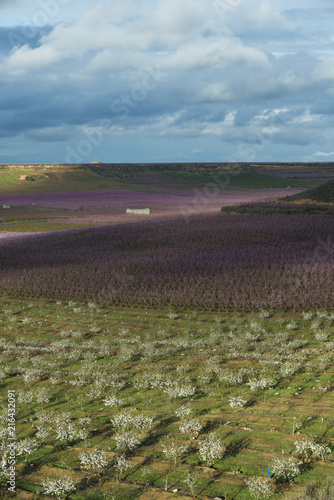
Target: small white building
x: 5, y: 206
x: 138, y: 211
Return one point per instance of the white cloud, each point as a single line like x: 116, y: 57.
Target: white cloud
x: 321, y: 153
x: 304, y: 118
x: 267, y: 12
x: 324, y: 70
x: 222, y: 80
x: 24, y: 59
x: 103, y: 40
x: 214, y: 92
x: 215, y: 51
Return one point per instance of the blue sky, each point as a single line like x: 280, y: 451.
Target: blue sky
x: 166, y: 81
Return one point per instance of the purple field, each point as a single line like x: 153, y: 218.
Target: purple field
x: 109, y: 206
x: 215, y: 262
x: 158, y: 199
x: 100, y: 200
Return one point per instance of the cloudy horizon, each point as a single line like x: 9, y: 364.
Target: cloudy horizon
x: 166, y: 81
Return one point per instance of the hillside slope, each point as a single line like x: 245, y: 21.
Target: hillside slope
x: 33, y: 179
x: 43, y: 178
x: 321, y: 194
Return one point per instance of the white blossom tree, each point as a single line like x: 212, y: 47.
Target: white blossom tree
x: 127, y: 439
x: 122, y: 420
x: 66, y: 431
x: 172, y: 451
x: 93, y: 459
x: 260, y: 487
x: 192, y: 427
x: 26, y: 447
x: 211, y: 449
x: 237, y: 401
x: 180, y: 391
x: 84, y: 421
x: 58, y: 487
x: 121, y: 465
x: 42, y: 433
x: 307, y: 448
x: 320, y: 450
x: 190, y: 479
x: 183, y: 411
x: 143, y: 422
x: 260, y: 383
x: 112, y: 401
x: 286, y: 469
x: 4, y: 471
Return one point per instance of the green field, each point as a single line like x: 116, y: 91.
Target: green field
x: 8, y: 179
x: 100, y: 177
x: 151, y: 392
x: 36, y: 219
x: 261, y: 382
x: 59, y: 180
x: 39, y: 225
x: 249, y: 180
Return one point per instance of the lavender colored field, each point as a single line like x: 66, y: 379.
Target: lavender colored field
x: 206, y: 261
x: 157, y: 199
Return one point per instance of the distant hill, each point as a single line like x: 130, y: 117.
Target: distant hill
x: 33, y: 179
x: 321, y: 194
x: 318, y: 200
x: 53, y: 178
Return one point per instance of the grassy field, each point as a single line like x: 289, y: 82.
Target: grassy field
x: 147, y: 388
x: 66, y: 179
x: 39, y: 226
x: 321, y: 194
x: 280, y: 207
x: 316, y: 200
x: 31, y: 218
x: 251, y: 180
x: 125, y: 403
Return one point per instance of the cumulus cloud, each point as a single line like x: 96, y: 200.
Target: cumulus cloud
x: 266, y: 13
x: 213, y: 71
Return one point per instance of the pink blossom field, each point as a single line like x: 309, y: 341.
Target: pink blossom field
x: 9, y: 235
x: 175, y: 201
x: 209, y: 261
x: 106, y: 207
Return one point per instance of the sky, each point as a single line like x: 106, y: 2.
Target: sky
x: 166, y: 81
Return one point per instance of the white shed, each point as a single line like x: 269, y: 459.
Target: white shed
x: 140, y: 211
